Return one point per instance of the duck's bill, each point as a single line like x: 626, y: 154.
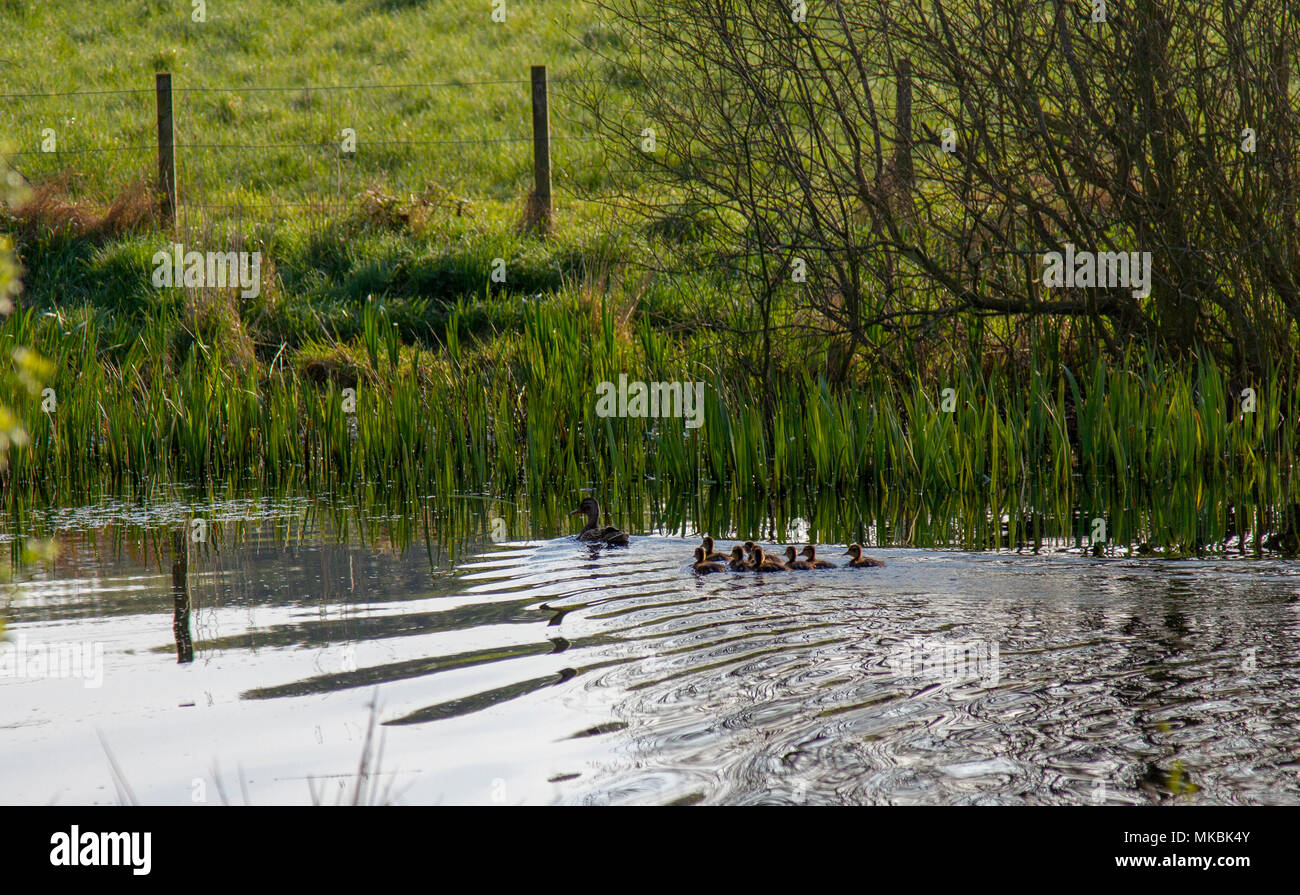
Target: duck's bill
x: 576, y: 513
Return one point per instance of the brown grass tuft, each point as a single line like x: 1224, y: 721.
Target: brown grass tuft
x: 49, y: 208
x: 134, y: 210
x: 377, y: 209
x: 600, y: 289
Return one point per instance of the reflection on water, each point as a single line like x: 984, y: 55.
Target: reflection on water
x: 181, y: 597
x: 544, y: 670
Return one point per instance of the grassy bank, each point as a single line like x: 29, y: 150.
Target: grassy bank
x: 513, y: 411
x: 463, y: 385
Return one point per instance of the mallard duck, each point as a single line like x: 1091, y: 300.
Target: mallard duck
x: 859, y: 561
x: 738, y: 563
x: 811, y: 552
x: 607, y: 535
x: 709, y: 555
x: 764, y: 563
x: 797, y: 564
x: 702, y: 566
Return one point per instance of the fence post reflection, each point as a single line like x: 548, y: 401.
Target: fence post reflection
x: 181, y: 596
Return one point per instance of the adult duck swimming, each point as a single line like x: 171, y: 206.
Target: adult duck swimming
x: 592, y: 532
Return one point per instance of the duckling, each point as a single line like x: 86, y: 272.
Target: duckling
x: 608, y: 535
x: 738, y: 562
x: 796, y: 564
x: 859, y: 561
x: 702, y: 566
x: 1287, y: 542
x: 709, y: 555
x: 811, y: 552
x: 765, y: 563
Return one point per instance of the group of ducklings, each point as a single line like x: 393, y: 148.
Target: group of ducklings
x: 749, y: 557
x: 746, y: 557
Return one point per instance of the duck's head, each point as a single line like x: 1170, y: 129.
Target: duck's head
x: 790, y: 554
x: 855, y: 551
x: 810, y: 551
x: 750, y: 546
x: 737, y: 552
x: 758, y: 554
x: 699, y: 554
x: 708, y: 544
x: 588, y: 507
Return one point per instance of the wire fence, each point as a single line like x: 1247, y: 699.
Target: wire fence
x: 260, y: 149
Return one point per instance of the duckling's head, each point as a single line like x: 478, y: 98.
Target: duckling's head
x: 699, y: 554
x: 855, y: 550
x: 758, y: 554
x: 708, y: 544
x: 588, y: 507
x: 737, y: 552
x: 790, y: 554
x: 749, y: 546
x: 810, y: 551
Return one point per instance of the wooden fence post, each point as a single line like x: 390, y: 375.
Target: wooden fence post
x: 541, y: 147
x: 166, y: 146
x: 903, y: 127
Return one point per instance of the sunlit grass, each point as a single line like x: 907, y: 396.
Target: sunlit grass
x: 356, y: 48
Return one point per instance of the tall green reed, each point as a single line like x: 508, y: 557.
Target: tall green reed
x: 516, y: 413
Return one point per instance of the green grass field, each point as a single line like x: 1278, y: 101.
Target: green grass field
x: 225, y: 69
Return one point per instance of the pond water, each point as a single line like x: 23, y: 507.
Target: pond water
x: 301, y: 661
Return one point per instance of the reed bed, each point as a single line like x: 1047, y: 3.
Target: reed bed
x: 1162, y: 454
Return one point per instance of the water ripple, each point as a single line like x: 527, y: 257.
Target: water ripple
x: 589, y: 676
